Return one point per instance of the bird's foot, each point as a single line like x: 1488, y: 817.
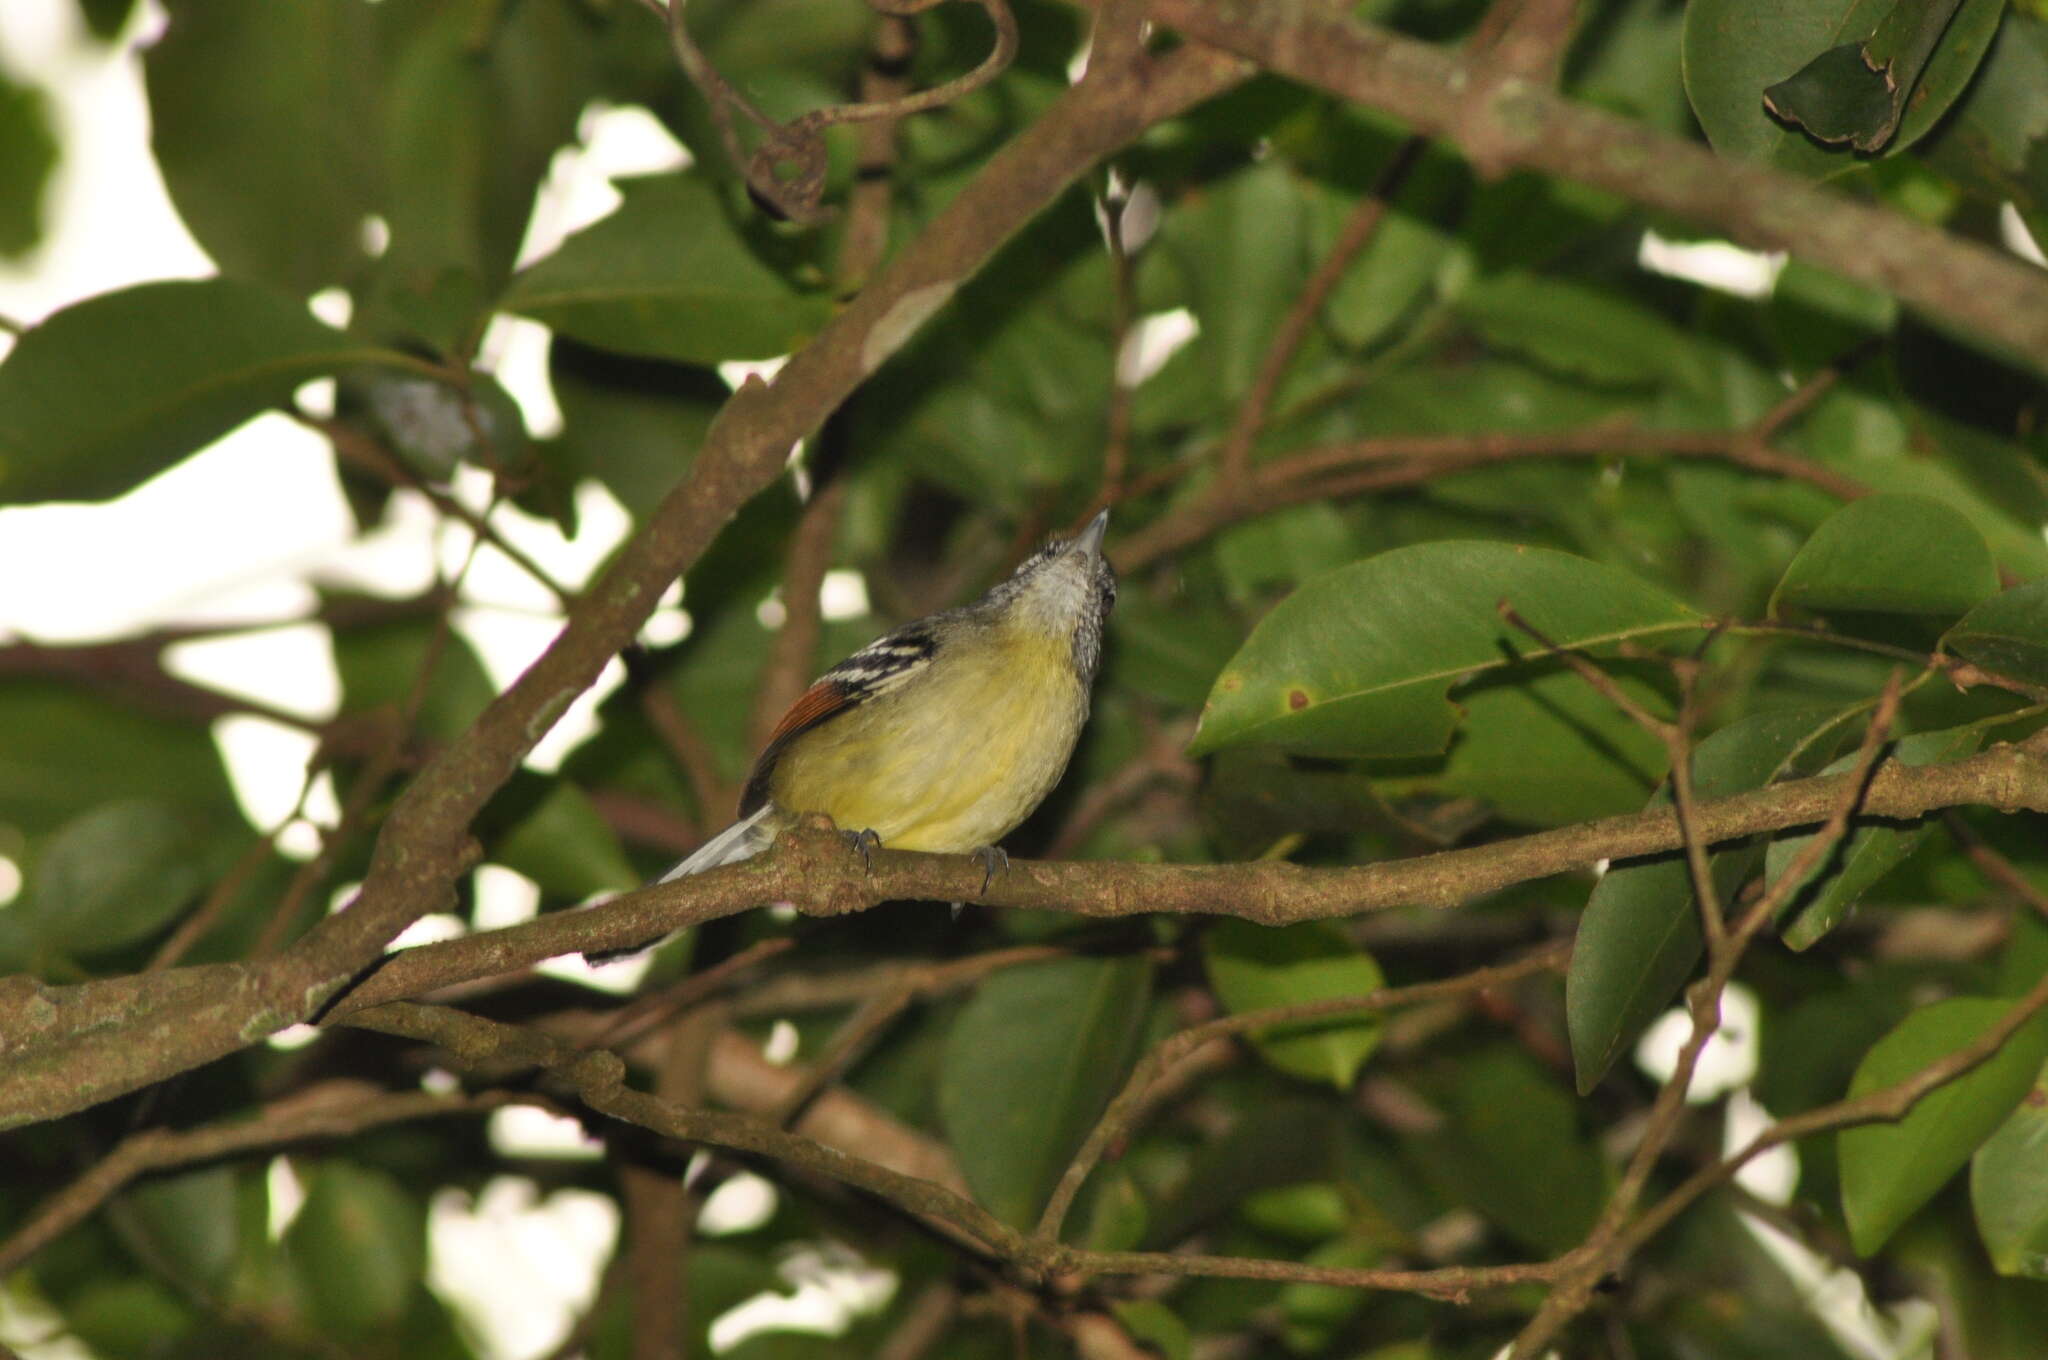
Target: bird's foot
x: 866, y: 842
x: 993, y: 860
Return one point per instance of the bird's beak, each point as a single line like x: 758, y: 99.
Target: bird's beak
x: 1089, y: 540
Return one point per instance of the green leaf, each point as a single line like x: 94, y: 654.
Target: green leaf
x: 1893, y: 554
x: 1857, y: 92
x: 1584, y: 331
x: 1256, y: 967
x: 1734, y: 50
x: 1984, y: 448
x: 1277, y: 1140
x: 1360, y: 661
x: 2008, y: 633
x: 295, y: 125
x: 1866, y: 854
x: 1027, y: 1068
x: 473, y: 113
x: 360, y: 1242
x: 1241, y: 248
x: 1996, y: 142
x: 1989, y: 1316
x: 134, y: 1316
x: 109, y: 392
x: 1169, y: 650
x: 1543, y: 748
x: 1155, y: 1327
x: 667, y: 277
x: 2009, y: 1187
x: 64, y: 752
x: 117, y: 875
x: 2015, y: 543
x: 1284, y: 548
x: 1639, y: 936
x: 28, y: 155
x: 189, y: 1220
x: 1890, y: 1170
x: 1408, y: 259
x: 1111, y: 1212
x: 565, y: 845
x: 1817, y: 316
x: 633, y: 424
x: 1313, y: 1314
x: 380, y: 666
x: 1513, y: 1152
x: 985, y: 402
x: 1309, y: 1211
x: 2025, y: 956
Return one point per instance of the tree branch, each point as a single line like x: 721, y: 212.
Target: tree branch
x: 165, y: 1025
x: 336, y: 1109
x: 1520, y: 125
x: 1116, y: 1120
x: 1355, y: 235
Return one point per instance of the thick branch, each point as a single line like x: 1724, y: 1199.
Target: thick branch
x: 83, y: 1057
x: 337, y: 1110
x: 1518, y: 124
x: 815, y: 871
x: 597, y: 1080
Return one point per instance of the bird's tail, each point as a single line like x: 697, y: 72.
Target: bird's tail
x: 744, y: 839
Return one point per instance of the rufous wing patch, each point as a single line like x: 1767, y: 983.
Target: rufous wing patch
x: 817, y: 703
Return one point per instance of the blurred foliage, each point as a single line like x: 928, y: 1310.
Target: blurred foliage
x: 1330, y: 681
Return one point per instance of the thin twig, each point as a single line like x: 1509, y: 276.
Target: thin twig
x: 1676, y: 738
x: 224, y: 891
x: 386, y: 758
x: 1994, y: 866
x: 1123, y: 315
x: 597, y: 1080
x: 924, y: 1323
x: 336, y: 1109
x: 648, y: 1013
x: 793, y: 657
x: 813, y: 870
x: 359, y: 449
x: 884, y: 79
x: 661, y: 1209
x: 1886, y: 1105
x: 1116, y: 1120
x: 845, y: 1047
x: 1604, y: 1246
x: 1337, y: 471
x: 369, y: 782
x: 1356, y: 233
x: 690, y: 750
x: 787, y: 170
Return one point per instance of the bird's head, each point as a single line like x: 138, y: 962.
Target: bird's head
x: 1066, y: 588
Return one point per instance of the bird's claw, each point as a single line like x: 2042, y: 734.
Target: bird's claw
x: 866, y: 842
x: 993, y: 860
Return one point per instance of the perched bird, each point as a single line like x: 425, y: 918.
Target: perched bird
x: 945, y: 734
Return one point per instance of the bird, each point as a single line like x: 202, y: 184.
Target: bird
x: 945, y: 734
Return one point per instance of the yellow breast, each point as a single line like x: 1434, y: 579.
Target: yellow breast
x: 953, y: 759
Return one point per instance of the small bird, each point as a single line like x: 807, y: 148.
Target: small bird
x: 945, y: 734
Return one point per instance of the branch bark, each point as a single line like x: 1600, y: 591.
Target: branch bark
x: 1517, y: 124
x: 72, y: 1058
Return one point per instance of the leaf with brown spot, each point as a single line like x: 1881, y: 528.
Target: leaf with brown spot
x: 1360, y: 661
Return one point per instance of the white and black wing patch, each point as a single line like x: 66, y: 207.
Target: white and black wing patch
x: 875, y: 669
x: 885, y: 663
